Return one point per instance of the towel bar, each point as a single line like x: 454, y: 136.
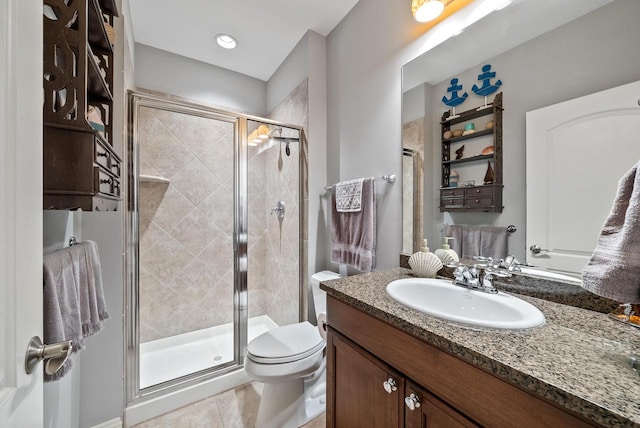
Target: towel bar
x: 391, y: 178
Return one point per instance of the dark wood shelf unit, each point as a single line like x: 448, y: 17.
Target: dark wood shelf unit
x: 470, y: 136
x: 81, y: 167
x: 483, y: 198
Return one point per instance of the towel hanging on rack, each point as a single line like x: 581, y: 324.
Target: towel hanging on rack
x: 74, y: 306
x: 353, y: 234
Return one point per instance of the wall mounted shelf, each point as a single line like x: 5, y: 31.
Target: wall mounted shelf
x: 483, y: 198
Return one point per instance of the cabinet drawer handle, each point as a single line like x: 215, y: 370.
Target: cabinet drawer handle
x: 390, y: 385
x: 106, y: 181
x: 477, y: 190
x: 477, y: 201
x: 412, y: 401
x: 102, y: 154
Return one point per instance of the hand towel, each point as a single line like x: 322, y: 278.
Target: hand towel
x: 74, y: 305
x: 493, y: 242
x: 486, y: 241
x: 353, y: 234
x: 349, y: 195
x: 92, y: 304
x: 614, y: 268
x: 61, y: 310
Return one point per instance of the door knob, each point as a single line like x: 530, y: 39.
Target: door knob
x: 390, y: 385
x: 54, y: 355
x: 535, y: 249
x: 412, y: 401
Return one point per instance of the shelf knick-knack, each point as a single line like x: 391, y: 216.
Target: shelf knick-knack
x: 488, y: 177
x: 459, y: 152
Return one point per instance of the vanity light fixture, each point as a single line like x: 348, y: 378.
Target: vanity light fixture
x: 226, y: 41
x: 426, y: 10
x: 253, y: 139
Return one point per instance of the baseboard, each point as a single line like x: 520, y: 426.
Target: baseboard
x: 113, y: 423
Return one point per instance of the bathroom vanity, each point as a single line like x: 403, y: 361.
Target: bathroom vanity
x: 572, y: 371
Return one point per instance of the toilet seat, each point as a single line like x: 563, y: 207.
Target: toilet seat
x: 286, y: 344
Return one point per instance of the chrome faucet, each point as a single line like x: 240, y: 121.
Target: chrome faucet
x: 470, y: 277
x: 509, y: 263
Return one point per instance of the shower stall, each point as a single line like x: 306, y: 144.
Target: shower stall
x: 214, y: 244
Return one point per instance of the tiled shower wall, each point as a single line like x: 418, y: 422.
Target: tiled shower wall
x: 283, y: 183
x: 412, y: 232
x: 186, y: 225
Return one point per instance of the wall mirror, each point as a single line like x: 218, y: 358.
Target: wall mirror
x: 545, y: 53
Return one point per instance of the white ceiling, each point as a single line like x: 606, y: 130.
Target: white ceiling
x: 267, y: 30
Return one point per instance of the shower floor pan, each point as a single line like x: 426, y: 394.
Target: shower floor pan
x: 176, y: 356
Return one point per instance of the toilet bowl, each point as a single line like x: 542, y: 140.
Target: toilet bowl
x: 290, y: 361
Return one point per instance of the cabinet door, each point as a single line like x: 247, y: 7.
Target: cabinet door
x: 363, y: 392
x: 423, y: 410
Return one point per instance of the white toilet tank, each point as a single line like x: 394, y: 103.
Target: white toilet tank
x: 319, y: 296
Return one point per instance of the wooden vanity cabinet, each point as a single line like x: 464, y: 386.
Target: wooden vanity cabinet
x: 368, y: 393
x: 364, y: 352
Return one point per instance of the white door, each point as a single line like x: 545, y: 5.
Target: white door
x: 20, y: 209
x: 576, y: 153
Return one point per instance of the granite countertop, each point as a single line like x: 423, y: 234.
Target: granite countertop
x: 579, y: 359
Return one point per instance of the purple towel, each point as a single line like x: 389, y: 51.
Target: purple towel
x: 614, y: 268
x: 353, y: 234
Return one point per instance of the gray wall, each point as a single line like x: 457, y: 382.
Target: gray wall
x: 173, y: 74
x: 590, y: 54
x: 365, y: 53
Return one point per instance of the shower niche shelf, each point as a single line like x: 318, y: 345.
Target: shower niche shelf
x: 81, y: 166
x: 478, y: 198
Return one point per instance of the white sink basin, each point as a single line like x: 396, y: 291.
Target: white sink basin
x: 550, y: 275
x: 442, y: 299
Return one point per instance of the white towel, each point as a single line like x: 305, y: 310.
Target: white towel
x: 349, y: 196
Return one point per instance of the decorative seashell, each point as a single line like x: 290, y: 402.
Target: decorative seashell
x: 447, y: 256
x: 489, y: 125
x: 447, y: 135
x: 457, y: 132
x: 487, y: 150
x: 425, y: 265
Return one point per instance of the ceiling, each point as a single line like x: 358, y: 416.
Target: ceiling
x: 266, y: 30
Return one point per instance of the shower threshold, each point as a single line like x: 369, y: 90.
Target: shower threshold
x: 176, y: 356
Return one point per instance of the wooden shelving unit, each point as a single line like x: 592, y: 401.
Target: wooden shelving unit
x: 80, y: 165
x: 480, y: 198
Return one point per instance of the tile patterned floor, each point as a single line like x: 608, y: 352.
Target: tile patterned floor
x: 236, y: 408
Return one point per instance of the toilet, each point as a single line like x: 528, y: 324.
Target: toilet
x: 290, y: 361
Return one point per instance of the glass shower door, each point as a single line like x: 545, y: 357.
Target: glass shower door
x: 186, y: 250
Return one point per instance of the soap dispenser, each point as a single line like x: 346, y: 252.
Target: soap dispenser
x: 446, y: 254
x: 424, y: 263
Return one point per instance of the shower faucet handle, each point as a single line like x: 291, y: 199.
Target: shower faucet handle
x: 279, y: 210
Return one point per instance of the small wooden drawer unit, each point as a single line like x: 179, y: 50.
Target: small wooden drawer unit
x: 476, y: 198
x: 80, y: 167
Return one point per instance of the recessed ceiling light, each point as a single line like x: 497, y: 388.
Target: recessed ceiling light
x: 226, y: 41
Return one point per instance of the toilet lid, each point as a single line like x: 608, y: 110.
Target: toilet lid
x: 285, y: 344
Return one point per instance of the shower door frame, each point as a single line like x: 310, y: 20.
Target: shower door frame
x: 135, y: 100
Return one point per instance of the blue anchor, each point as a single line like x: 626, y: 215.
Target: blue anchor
x: 486, y: 76
x: 455, y: 99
